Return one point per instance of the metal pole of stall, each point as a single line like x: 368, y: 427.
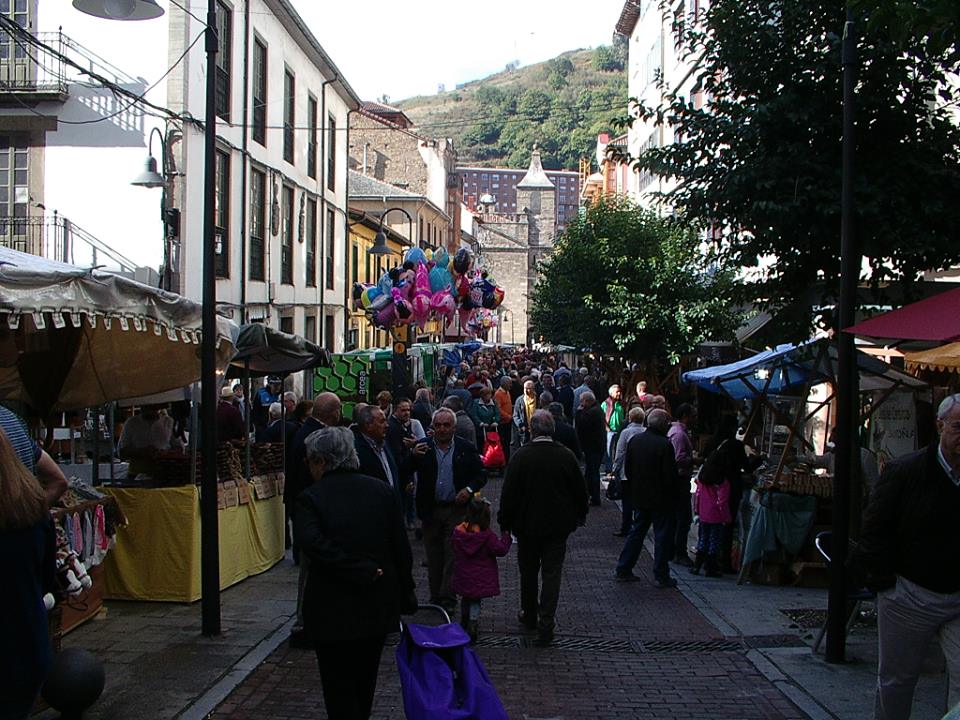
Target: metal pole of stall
x: 95, y: 470
x: 246, y: 415
x: 209, y: 519
x: 113, y: 449
x: 848, y: 454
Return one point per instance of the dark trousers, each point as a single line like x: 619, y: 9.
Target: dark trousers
x: 18, y: 706
x: 505, y: 429
x: 664, y: 527
x: 626, y: 507
x: 593, y: 460
x: 684, y: 520
x: 436, y: 544
x: 540, y: 557
x: 348, y: 673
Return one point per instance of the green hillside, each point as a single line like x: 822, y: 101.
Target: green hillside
x: 561, y: 105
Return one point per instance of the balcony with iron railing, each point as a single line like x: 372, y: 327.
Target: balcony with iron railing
x: 55, y: 237
x: 38, y: 67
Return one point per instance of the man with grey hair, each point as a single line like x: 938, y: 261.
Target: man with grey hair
x: 909, y: 549
x: 376, y: 460
x: 466, y: 430
x: 544, y: 499
x: 361, y: 570
x: 655, y: 487
x: 635, y: 418
x: 449, y: 471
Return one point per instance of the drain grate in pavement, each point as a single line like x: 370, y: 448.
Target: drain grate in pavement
x: 500, y: 641
x: 592, y: 644
x: 698, y: 646
x: 773, y: 641
x: 814, y: 618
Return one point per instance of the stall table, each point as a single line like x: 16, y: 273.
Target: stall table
x: 157, y: 556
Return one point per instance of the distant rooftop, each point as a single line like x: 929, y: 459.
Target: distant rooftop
x: 364, y: 186
x: 536, y: 177
x: 387, y: 112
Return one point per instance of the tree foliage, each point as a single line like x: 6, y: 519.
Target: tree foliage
x: 623, y: 280
x: 761, y: 160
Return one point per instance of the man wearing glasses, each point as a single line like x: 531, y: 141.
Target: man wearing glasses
x: 910, y: 550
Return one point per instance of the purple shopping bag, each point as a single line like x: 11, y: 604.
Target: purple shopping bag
x: 442, y: 678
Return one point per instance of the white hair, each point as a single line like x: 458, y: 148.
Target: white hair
x: 443, y: 411
x: 275, y: 410
x: 947, y: 406
x: 335, y: 446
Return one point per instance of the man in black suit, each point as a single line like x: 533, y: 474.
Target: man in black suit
x: 361, y: 570
x: 655, y: 485
x: 376, y: 460
x: 449, y: 471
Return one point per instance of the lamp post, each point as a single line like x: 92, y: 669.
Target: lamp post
x: 399, y: 362
x: 209, y: 534
x: 150, y: 178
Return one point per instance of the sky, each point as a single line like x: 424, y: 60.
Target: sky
x: 401, y: 49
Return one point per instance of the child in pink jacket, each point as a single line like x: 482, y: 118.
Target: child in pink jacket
x: 712, y: 504
x: 475, y: 573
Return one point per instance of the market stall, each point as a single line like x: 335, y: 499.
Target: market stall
x: 792, y: 491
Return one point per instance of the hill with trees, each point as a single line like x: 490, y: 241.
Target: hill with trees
x: 561, y: 105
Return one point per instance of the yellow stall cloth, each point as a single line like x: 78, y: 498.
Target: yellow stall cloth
x: 157, y: 555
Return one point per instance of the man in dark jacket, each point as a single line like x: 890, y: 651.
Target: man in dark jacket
x: 564, y: 396
x: 326, y: 412
x: 449, y: 471
x: 591, y: 428
x: 564, y: 432
x: 655, y: 485
x: 544, y: 499
x: 229, y: 420
x: 361, y: 570
x: 910, y: 550
x: 375, y: 457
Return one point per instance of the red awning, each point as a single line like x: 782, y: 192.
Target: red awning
x: 937, y: 318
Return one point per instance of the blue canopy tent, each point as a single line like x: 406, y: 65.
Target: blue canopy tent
x: 771, y: 372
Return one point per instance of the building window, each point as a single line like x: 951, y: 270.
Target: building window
x: 310, y: 328
x: 331, y: 153
x: 259, y: 92
x: 286, y: 325
x: 329, y: 332
x: 311, y: 241
x: 221, y: 214
x: 420, y: 233
x: 258, y: 223
x: 368, y: 266
x: 286, y: 244
x: 329, y: 250
x: 289, y: 116
x: 14, y: 193
x: 312, y: 120
x: 224, y: 47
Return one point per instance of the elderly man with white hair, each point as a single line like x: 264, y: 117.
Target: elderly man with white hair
x: 361, y: 570
x: 910, y: 549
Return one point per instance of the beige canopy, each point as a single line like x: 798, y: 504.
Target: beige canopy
x: 945, y: 358
x: 75, y: 337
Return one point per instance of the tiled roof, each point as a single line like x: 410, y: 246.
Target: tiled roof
x: 628, y: 17
x: 361, y: 185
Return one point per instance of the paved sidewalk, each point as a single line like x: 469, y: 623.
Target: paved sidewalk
x: 623, y: 650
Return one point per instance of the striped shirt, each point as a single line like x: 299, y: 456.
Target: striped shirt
x: 25, y: 448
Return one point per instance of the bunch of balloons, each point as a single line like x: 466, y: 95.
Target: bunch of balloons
x: 435, y: 286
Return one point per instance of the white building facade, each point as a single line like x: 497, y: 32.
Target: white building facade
x: 281, y: 161
x: 652, y: 54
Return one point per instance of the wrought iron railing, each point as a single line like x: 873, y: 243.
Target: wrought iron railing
x: 57, y: 238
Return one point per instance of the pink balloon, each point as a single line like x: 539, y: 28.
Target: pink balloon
x: 386, y: 317
x: 443, y: 304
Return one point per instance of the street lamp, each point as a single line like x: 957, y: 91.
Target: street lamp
x: 209, y: 534
x: 150, y: 178
x: 399, y: 362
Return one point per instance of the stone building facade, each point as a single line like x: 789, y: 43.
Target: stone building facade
x: 512, y: 244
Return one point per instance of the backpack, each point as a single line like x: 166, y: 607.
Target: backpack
x: 713, y: 471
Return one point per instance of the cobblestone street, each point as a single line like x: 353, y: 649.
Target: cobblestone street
x: 623, y: 650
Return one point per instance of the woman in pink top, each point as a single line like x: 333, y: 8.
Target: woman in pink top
x: 475, y: 573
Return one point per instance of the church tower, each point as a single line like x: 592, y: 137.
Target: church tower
x: 537, y: 197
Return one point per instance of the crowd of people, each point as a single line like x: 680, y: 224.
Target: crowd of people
x: 413, y: 467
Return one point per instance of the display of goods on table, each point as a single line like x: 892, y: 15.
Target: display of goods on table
x: 801, y: 481
x: 86, y: 528
x: 173, y: 469
x: 266, y: 458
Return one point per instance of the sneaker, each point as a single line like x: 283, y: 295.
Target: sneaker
x: 666, y: 583
x: 626, y: 577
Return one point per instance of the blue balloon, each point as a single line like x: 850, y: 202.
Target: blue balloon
x: 415, y: 255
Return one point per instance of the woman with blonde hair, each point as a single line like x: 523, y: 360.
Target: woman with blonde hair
x: 28, y: 546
